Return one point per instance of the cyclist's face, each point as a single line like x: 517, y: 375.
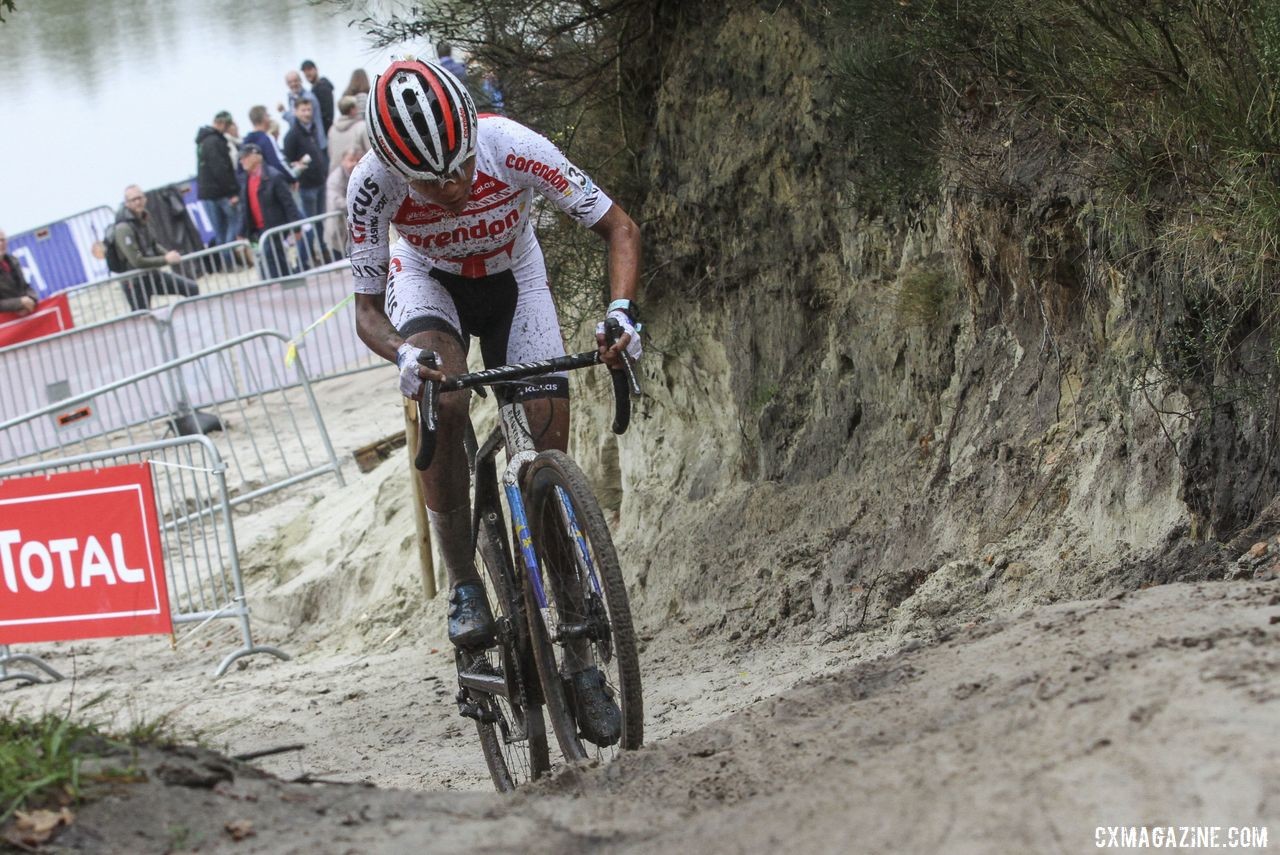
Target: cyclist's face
x: 451, y: 194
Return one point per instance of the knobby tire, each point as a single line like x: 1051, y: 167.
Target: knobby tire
x: 564, y: 580
x: 505, y: 597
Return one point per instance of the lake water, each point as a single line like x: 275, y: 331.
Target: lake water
x: 100, y: 95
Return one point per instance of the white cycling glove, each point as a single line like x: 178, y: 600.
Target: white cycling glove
x: 633, y: 347
x: 407, y: 361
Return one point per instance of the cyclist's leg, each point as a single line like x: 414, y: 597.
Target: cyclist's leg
x: 424, y: 313
x: 535, y: 334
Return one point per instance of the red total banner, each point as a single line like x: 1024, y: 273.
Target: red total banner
x: 51, y: 315
x: 80, y: 556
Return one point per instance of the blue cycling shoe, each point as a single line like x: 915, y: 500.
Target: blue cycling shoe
x: 470, y: 621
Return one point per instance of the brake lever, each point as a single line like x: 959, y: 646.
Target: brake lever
x: 427, y: 416
x: 621, y: 383
x: 633, y: 382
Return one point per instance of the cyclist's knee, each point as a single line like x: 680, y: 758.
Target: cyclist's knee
x: 453, y: 409
x: 548, y: 422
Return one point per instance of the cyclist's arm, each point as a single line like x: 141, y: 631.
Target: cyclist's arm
x: 374, y: 327
x: 535, y: 162
x: 376, y: 331
x: 622, y: 236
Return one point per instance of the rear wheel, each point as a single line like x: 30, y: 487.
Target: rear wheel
x: 583, y: 619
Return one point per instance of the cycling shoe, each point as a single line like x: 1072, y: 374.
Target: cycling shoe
x: 599, y: 718
x: 470, y: 621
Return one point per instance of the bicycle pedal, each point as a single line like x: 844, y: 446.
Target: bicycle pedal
x: 468, y: 708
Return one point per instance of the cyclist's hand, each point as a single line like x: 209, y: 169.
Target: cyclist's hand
x: 412, y: 372
x: 629, y: 340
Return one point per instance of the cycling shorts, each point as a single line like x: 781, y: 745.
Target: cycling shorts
x: 512, y: 314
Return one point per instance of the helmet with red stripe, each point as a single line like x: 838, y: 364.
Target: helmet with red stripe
x: 421, y: 120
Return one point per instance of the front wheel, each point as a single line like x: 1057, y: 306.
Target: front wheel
x: 581, y: 619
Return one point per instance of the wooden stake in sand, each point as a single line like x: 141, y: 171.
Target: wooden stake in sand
x: 427, y: 564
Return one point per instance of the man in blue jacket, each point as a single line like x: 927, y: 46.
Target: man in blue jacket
x: 268, y: 204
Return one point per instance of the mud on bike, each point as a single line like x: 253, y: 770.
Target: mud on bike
x: 565, y: 609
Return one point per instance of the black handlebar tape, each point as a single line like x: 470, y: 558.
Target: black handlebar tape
x: 427, y: 421
x: 621, y: 385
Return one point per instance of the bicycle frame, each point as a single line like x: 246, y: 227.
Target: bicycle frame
x: 520, y: 449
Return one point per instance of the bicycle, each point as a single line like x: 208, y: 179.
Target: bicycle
x: 568, y: 611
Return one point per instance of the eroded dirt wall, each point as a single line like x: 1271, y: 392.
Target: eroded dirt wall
x: 897, y: 423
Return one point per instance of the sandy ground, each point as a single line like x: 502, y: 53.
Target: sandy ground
x: 1017, y: 733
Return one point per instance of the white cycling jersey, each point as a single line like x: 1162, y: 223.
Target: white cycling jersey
x: 494, y: 233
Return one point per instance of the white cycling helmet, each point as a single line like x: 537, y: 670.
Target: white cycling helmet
x: 421, y: 120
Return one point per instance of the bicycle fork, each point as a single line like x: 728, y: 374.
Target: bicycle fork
x: 511, y: 484
x: 520, y: 522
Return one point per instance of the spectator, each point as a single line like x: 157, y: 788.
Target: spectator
x: 444, y: 50
x: 323, y: 90
x: 268, y: 203
x: 358, y: 85
x: 15, y: 294
x: 335, y: 191
x: 216, y: 177
x: 348, y: 131
x: 297, y: 95
x: 136, y: 243
x: 232, y: 133
x: 302, y: 149
x: 261, y: 137
x: 489, y: 99
x: 302, y: 146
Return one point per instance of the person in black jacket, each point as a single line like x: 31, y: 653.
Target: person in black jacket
x: 302, y: 145
x: 323, y: 90
x: 216, y: 177
x: 15, y: 294
x: 268, y: 203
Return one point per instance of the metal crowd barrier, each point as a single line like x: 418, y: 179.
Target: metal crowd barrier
x: 217, y: 268
x: 297, y: 247
x: 291, y: 303
x: 8, y: 657
x: 45, y: 371
x: 241, y: 383
x: 57, y: 368
x: 59, y: 255
x: 201, y: 559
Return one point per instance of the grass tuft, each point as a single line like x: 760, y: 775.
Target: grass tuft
x: 41, y: 757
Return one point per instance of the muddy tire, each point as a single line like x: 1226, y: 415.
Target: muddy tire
x: 511, y: 762
x: 554, y: 485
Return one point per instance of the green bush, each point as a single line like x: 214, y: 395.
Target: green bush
x: 1166, y: 110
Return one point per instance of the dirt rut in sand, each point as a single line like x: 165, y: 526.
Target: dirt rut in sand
x: 1026, y: 733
